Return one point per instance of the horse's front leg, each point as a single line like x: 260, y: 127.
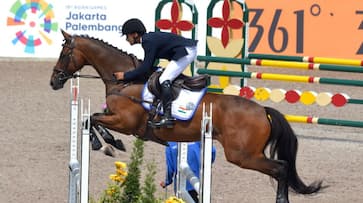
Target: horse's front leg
x: 96, y: 144
x: 102, y: 121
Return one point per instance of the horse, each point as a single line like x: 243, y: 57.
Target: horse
x: 243, y: 127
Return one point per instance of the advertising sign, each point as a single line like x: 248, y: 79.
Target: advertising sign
x: 31, y: 28
x: 311, y: 27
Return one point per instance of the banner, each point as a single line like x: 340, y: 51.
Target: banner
x: 307, y: 28
x: 31, y: 28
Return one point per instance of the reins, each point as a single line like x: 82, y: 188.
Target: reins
x: 93, y: 77
x: 67, y: 76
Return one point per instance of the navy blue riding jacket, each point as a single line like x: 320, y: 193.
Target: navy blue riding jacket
x: 159, y: 45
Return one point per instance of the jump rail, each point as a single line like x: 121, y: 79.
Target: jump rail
x: 282, y: 64
x: 311, y: 59
x: 283, y: 77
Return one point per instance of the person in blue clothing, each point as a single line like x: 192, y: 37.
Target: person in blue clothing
x: 171, y: 155
x: 178, y: 50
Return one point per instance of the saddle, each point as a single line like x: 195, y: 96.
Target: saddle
x: 195, y: 83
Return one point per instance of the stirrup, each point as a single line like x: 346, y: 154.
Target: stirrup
x: 164, y: 122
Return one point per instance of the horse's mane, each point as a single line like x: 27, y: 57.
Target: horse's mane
x: 108, y: 45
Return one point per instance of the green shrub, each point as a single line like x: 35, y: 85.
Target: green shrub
x: 126, y: 187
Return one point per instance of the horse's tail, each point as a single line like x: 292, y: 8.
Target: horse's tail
x: 284, y: 144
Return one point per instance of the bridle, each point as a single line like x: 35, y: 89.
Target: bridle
x: 66, y: 59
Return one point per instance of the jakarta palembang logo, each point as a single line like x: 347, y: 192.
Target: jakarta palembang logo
x: 33, y: 23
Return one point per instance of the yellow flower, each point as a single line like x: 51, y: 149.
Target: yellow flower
x: 117, y: 178
x: 121, y: 172
x: 120, y: 165
x: 110, y: 192
x: 120, y: 179
x: 174, y: 200
x: 113, y: 177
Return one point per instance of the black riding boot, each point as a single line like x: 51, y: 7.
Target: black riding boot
x: 166, y: 97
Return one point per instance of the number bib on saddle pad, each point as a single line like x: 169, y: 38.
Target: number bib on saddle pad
x: 183, y: 107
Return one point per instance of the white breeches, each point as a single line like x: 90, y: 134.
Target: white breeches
x: 175, y: 68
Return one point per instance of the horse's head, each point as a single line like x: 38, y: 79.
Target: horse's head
x: 70, y: 61
x: 82, y: 50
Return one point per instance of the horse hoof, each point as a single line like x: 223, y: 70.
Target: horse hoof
x: 282, y: 200
x: 119, y: 145
x: 95, y: 142
x: 109, y: 151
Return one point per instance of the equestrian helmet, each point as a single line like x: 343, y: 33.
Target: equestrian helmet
x: 133, y: 25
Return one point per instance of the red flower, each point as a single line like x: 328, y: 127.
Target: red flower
x: 225, y: 23
x: 175, y: 24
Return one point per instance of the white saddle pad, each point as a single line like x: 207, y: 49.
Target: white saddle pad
x: 183, y: 107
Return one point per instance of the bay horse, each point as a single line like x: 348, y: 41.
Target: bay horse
x: 243, y: 127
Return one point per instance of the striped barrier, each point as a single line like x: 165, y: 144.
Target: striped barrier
x: 282, y: 64
x: 324, y: 121
x: 310, y: 59
x: 291, y: 96
x: 282, y: 77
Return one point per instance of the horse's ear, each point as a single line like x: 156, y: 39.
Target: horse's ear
x: 65, y: 34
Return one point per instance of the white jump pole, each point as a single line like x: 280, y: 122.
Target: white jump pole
x: 206, y: 154
x: 79, y: 172
x: 185, y: 173
x: 86, y: 113
x: 74, y: 165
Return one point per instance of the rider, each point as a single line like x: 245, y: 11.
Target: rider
x: 178, y: 50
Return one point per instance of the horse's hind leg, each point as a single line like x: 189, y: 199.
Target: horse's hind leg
x: 274, y: 168
x: 278, y: 170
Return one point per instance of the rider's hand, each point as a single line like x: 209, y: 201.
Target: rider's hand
x: 119, y: 75
x: 162, y: 184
